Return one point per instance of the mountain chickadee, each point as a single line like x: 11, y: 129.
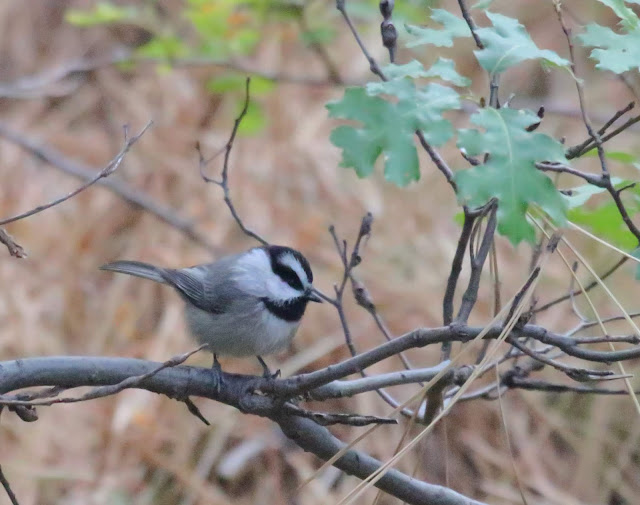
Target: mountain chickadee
x: 241, y: 305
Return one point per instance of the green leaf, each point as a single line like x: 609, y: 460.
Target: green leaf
x: 510, y: 174
x: 507, y: 43
x: 605, y: 222
x: 626, y: 14
x: 254, y: 120
x: 443, y: 68
x: 620, y: 156
x: 321, y: 35
x: 388, y: 128
x: 581, y: 194
x: 482, y: 4
x: 615, y: 52
x: 421, y: 108
x: 103, y: 13
x: 453, y: 27
x: 229, y: 83
x: 168, y: 48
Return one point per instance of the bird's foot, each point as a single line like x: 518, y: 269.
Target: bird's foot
x: 266, y: 373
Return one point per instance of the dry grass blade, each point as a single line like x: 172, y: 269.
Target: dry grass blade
x: 603, y: 242
x: 513, y: 319
x: 626, y: 315
x: 506, y: 437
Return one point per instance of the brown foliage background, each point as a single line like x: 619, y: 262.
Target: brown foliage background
x: 137, y: 448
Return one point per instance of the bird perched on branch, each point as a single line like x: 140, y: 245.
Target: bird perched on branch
x: 247, y: 304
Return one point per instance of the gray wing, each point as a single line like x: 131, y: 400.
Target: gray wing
x: 208, y: 287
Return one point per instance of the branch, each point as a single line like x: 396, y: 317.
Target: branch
x: 550, y: 387
x: 472, y: 25
x: 123, y: 190
x: 456, y: 267
x: 224, y: 182
x: 587, y: 288
x: 15, y: 249
x: 580, y: 89
x: 477, y: 260
x: 105, y: 172
x: 238, y: 391
x: 327, y: 419
x: 7, y: 488
x: 50, y: 83
x: 348, y: 388
x: 375, y: 68
x: 319, y: 441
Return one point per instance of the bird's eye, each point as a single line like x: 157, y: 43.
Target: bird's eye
x: 289, y: 276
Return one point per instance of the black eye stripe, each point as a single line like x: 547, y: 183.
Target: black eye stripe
x: 277, y: 252
x: 288, y: 275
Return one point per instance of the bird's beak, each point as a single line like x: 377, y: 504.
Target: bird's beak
x: 313, y: 297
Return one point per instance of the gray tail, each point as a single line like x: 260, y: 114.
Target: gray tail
x: 137, y: 269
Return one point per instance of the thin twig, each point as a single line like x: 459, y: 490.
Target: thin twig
x: 580, y: 149
x: 328, y: 419
x: 7, y: 488
x: 587, y: 288
x: 118, y: 187
x: 477, y: 260
x: 15, y: 249
x: 580, y: 89
x: 224, y: 182
x: 375, y: 68
x: 471, y: 23
x: 105, y: 172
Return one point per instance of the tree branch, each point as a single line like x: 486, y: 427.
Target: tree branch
x: 224, y: 182
x: 105, y: 172
x: 120, y: 188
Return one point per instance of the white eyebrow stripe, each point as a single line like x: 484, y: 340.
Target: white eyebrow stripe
x: 292, y: 262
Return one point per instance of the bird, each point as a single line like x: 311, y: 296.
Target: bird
x: 246, y: 304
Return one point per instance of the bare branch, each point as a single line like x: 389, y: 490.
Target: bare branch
x: 375, y: 68
x: 237, y: 390
x: 580, y: 89
x: 224, y: 182
x: 15, y: 249
x: 472, y: 25
x: 105, y: 172
x: 587, y: 288
x: 327, y: 419
x: 341, y: 389
x: 319, y: 441
x: 7, y: 488
x: 124, y: 191
x: 477, y: 260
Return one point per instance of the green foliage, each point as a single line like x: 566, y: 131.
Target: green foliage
x: 604, y: 219
x: 453, y: 27
x: 388, y: 114
x: 102, y: 13
x: 388, y: 127
x: 617, y: 52
x: 507, y: 43
x: 443, y: 68
x: 509, y: 174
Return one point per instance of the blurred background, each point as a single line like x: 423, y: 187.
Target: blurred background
x: 64, y: 84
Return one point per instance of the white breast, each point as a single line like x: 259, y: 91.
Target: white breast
x: 256, y: 333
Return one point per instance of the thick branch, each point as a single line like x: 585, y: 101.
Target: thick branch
x: 236, y: 390
x: 319, y: 441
